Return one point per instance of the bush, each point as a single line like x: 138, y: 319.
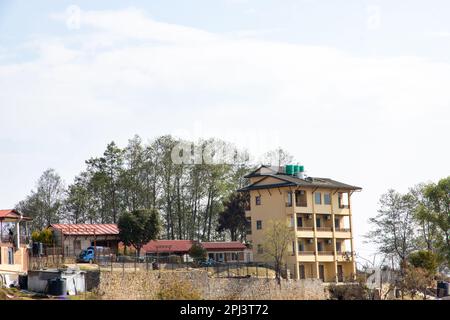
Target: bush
x: 348, y: 292
x: 45, y: 236
x: 424, y: 259
x: 175, y: 289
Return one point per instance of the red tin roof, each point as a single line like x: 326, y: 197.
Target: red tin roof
x: 223, y: 246
x: 12, y: 214
x: 170, y: 246
x: 87, y: 229
x: 183, y: 246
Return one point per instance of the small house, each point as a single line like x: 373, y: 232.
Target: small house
x: 73, y: 238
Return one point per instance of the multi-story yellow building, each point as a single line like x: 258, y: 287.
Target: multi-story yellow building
x: 318, y: 211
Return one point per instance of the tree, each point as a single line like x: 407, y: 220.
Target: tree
x: 277, y: 157
x: 45, y: 203
x: 197, y: 252
x: 394, y: 228
x: 277, y: 237
x: 438, y: 212
x: 424, y: 259
x: 233, y: 217
x: 138, y: 227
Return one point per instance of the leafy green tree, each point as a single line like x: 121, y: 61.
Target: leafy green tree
x: 394, y: 228
x: 138, y: 227
x: 424, y: 259
x: 197, y: 252
x: 232, y: 218
x: 438, y: 212
x: 45, y: 203
x: 45, y: 236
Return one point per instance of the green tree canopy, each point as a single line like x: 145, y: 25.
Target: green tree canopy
x: 232, y: 218
x: 138, y: 227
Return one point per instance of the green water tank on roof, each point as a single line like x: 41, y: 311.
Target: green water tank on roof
x: 301, y: 169
x: 289, y: 169
x: 296, y: 169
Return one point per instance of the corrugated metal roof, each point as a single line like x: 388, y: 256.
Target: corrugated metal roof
x: 87, y: 229
x: 217, y: 246
x: 171, y: 246
x: 183, y: 246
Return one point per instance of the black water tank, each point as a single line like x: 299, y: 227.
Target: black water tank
x: 443, y: 289
x: 57, y: 287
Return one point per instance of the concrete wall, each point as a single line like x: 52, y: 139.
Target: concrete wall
x: 20, y: 259
x: 142, y: 285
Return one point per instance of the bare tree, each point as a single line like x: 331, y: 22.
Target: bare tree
x: 277, y: 238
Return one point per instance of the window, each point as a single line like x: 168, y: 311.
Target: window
x: 10, y: 255
x: 299, y: 221
x: 327, y: 198
x: 248, y: 226
x: 289, y: 199
x: 338, y: 247
x: 258, y: 200
x: 301, y: 246
x: 343, y: 200
x: 318, y: 197
x: 258, y: 224
x: 318, y: 222
x: 260, y: 249
x: 300, y: 198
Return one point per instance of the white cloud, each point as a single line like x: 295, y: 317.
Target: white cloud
x: 375, y: 122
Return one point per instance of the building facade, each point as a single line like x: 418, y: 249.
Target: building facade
x: 318, y: 213
x: 14, y: 241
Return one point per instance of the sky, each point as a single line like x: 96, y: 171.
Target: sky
x: 357, y: 91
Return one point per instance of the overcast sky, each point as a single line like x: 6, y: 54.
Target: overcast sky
x: 357, y: 91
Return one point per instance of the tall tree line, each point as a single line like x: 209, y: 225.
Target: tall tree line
x: 416, y: 220
x: 190, y: 197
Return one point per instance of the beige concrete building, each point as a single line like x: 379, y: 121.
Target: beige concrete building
x: 14, y: 241
x: 317, y: 210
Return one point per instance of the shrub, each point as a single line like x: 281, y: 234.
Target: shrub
x: 45, y: 236
x: 425, y: 260
x: 175, y: 289
x: 348, y: 292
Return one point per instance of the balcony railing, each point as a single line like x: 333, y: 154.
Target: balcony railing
x: 342, y: 229
x: 305, y: 228
x: 5, y: 238
x: 324, y: 229
x: 325, y: 253
x: 306, y: 253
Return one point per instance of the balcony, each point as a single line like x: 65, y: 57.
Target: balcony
x: 344, y: 256
x: 305, y: 232
x: 325, y: 256
x: 306, y: 256
x: 343, y: 233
